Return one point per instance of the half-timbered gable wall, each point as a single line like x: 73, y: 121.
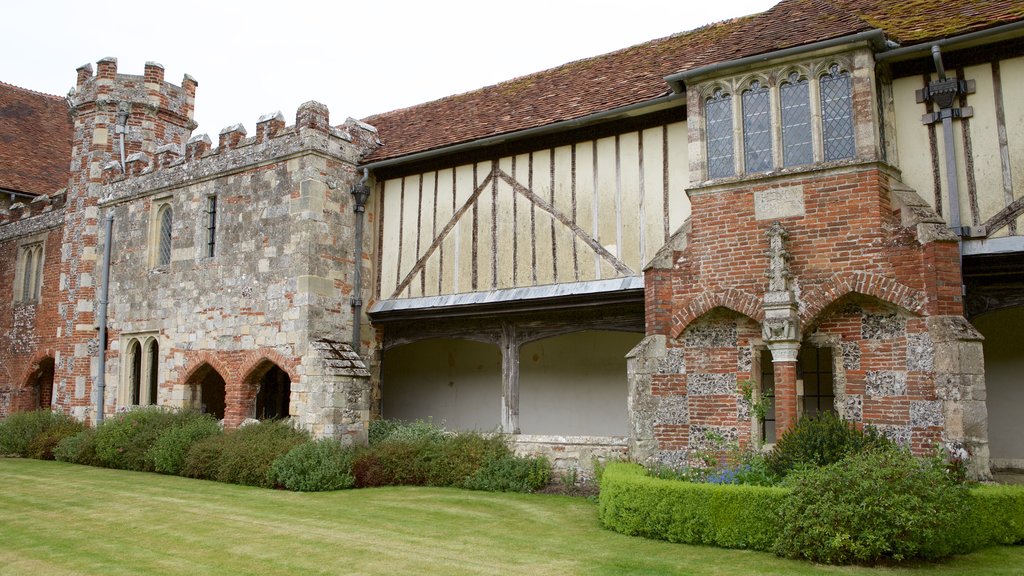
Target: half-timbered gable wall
x: 590, y: 210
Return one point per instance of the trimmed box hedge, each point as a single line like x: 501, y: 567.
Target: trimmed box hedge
x: 742, y: 516
x: 995, y: 516
x: 728, y: 516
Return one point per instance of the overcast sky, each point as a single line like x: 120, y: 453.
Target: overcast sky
x: 358, y: 58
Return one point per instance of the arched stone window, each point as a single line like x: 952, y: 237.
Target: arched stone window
x: 134, y: 363
x: 166, y: 218
x: 795, y: 104
x: 30, y: 266
x: 718, y: 119
x: 757, y: 128
x: 152, y: 357
x: 837, y: 114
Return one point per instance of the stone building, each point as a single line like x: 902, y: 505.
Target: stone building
x: 814, y: 208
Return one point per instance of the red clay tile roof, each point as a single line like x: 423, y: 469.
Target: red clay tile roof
x: 35, y: 141
x: 636, y: 74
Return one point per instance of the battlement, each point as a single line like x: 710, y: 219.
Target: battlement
x: 40, y: 213
x: 148, y: 90
x: 171, y: 164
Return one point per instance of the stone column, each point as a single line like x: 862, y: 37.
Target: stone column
x: 781, y: 328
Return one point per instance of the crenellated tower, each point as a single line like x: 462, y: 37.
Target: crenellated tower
x: 115, y: 116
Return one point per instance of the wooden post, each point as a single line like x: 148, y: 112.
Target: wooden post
x: 509, y: 379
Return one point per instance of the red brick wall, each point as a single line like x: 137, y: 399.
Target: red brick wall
x: 28, y: 332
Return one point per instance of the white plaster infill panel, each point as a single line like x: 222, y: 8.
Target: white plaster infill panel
x: 779, y: 203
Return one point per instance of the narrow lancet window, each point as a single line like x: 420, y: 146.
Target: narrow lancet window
x: 837, y: 114
x: 166, y: 219
x: 757, y: 128
x: 718, y: 110
x: 796, y: 121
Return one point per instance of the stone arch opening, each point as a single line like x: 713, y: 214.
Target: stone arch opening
x: 42, y: 385
x: 454, y: 382
x: 134, y: 356
x: 152, y: 360
x: 273, y: 394
x: 209, y: 391
x: 575, y: 384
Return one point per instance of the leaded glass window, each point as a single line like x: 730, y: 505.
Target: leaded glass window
x: 837, y: 114
x: 796, y: 121
x: 718, y: 111
x: 757, y: 128
x: 31, y: 262
x: 166, y: 219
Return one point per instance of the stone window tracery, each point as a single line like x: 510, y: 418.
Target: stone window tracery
x: 166, y: 218
x: 29, y: 272
x: 139, y: 371
x: 757, y: 128
x: 718, y: 109
x: 837, y: 114
x: 795, y: 103
x: 805, y: 113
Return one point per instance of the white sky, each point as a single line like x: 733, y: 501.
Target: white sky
x: 358, y: 58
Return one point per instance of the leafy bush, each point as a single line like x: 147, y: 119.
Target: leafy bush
x: 168, y: 451
x: 203, y: 458
x: 78, y: 449
x: 316, y: 466
x: 382, y: 430
x: 34, y: 434
x: 878, y: 505
x: 248, y: 452
x: 510, y: 473
x: 124, y: 440
x: 460, y: 456
x: 819, y: 441
x: 396, y: 463
x: 43, y: 445
x: 729, y: 516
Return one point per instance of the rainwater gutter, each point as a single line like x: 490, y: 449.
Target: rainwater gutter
x: 925, y: 49
x: 678, y: 81
x: 101, y: 349
x: 360, y: 193
x: 581, y: 122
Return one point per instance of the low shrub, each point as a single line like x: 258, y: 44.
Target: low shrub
x: 510, y: 473
x: 168, y: 451
x: 729, y: 516
x: 396, y: 463
x: 462, y: 455
x: 34, y: 434
x: 203, y: 458
x: 78, y: 449
x: 819, y: 441
x: 382, y: 430
x: 316, y: 466
x: 42, y: 446
x: 995, y: 515
x: 880, y: 505
x: 248, y: 452
x: 124, y: 440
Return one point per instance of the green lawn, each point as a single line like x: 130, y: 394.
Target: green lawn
x: 59, y: 518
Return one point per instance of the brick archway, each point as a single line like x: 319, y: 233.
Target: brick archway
x: 817, y: 300
x: 733, y: 299
x: 35, y: 388
x: 242, y: 393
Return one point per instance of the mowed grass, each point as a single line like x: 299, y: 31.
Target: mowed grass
x: 63, y: 519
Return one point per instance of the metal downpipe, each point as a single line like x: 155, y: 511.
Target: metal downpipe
x: 101, y: 349
x: 360, y: 193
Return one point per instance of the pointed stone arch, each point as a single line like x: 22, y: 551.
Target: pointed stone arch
x: 37, y: 386
x: 264, y: 391
x: 206, y: 389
